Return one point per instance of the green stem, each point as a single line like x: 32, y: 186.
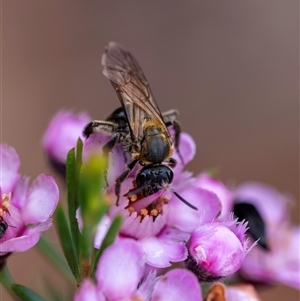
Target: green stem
x: 56, y: 258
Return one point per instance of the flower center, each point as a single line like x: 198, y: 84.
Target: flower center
x: 151, y: 205
x: 5, y: 203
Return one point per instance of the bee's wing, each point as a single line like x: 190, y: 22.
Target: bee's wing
x: 132, y: 88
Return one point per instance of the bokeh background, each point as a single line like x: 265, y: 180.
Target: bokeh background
x: 230, y: 67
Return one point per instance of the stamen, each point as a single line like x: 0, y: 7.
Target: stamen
x: 133, y: 198
x: 130, y: 209
x: 154, y: 212
x: 144, y: 212
x: 6, y: 197
x: 5, y: 203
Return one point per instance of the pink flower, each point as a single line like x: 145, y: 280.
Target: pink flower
x: 121, y: 275
x: 279, y: 262
x: 243, y: 292
x: 208, y: 182
x: 147, y: 219
x: 62, y: 134
x: 25, y: 210
x: 217, y: 249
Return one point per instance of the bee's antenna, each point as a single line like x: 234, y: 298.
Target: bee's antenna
x: 183, y: 200
x: 11, y: 226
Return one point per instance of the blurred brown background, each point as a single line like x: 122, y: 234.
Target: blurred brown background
x: 230, y: 67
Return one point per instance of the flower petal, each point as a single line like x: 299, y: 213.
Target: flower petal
x: 186, y: 219
x: 244, y: 292
x: 19, y: 195
x: 9, y: 166
x: 120, y: 269
x: 62, y: 134
x: 159, y: 252
x: 89, y: 291
x: 42, y: 200
x: 187, y: 149
x: 280, y: 264
x: 205, y: 181
x: 177, y: 285
x: 136, y: 227
x: 19, y: 244
x: 271, y: 204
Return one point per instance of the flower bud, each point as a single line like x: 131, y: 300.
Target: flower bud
x: 61, y: 135
x: 217, y: 249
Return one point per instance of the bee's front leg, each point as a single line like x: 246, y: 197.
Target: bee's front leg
x: 122, y: 177
x: 105, y: 127
x: 99, y: 126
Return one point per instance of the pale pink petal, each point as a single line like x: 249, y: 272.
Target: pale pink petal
x: 241, y: 293
x: 88, y: 291
x: 159, y: 252
x: 145, y: 289
x: 19, y: 196
x: 19, y: 244
x: 187, y: 149
x: 102, y: 229
x: 174, y: 234
x: 62, y: 134
x: 42, y: 200
x: 9, y: 166
x: 120, y: 269
x: 177, y: 285
x: 185, y: 218
x: 280, y: 264
x: 222, y: 261
x: 206, y: 181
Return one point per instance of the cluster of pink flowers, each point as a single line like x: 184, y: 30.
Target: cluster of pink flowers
x: 211, y: 241
x: 209, y: 244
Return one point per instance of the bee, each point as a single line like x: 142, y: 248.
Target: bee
x: 3, y: 227
x: 139, y: 126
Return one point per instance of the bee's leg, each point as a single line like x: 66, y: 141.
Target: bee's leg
x: 122, y: 177
x: 97, y: 126
x: 177, y: 129
x: 169, y: 118
x: 172, y: 162
x: 105, y: 127
x: 107, y: 147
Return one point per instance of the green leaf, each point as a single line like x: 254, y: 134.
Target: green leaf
x: 55, y: 257
x: 25, y: 293
x: 108, y: 240
x: 79, y: 147
x: 66, y: 242
x: 92, y: 203
x: 72, y: 188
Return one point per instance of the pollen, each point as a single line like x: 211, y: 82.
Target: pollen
x: 154, y: 212
x: 133, y: 198
x: 144, y: 212
x: 5, y: 203
x: 130, y: 210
